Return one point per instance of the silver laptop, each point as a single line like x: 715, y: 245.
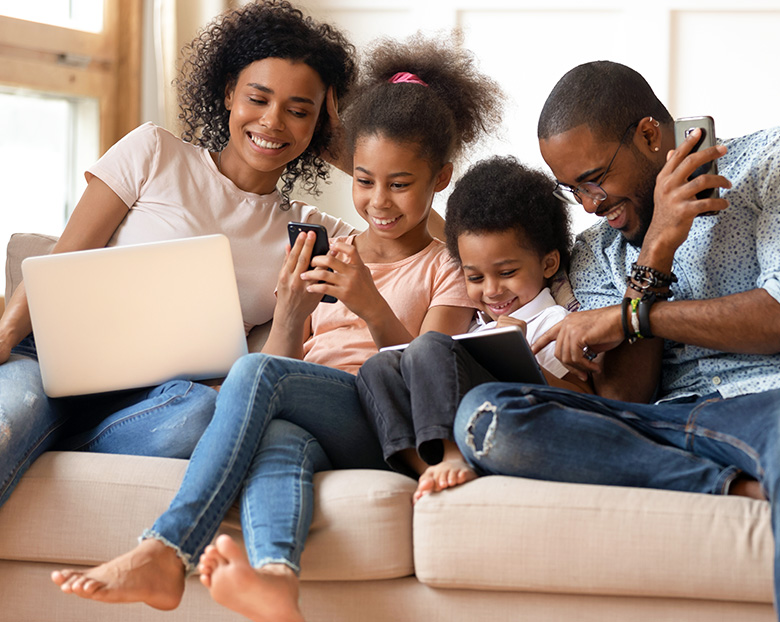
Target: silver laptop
x: 134, y: 316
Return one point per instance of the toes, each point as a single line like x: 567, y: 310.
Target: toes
x: 60, y: 576
x: 229, y: 549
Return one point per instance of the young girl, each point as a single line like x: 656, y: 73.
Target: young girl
x: 511, y: 235
x: 253, y: 96
x: 278, y: 419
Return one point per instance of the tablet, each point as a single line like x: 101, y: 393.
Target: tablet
x: 504, y: 352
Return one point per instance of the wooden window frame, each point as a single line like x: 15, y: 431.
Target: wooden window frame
x: 105, y: 65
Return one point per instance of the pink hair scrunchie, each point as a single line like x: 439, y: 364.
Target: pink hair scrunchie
x: 406, y: 77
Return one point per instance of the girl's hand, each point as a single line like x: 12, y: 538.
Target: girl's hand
x: 294, y: 303
x: 348, y: 279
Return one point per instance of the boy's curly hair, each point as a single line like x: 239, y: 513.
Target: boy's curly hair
x: 501, y: 194
x: 266, y: 29
x: 454, y: 110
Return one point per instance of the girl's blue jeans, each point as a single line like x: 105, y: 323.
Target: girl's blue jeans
x: 164, y: 421
x: 694, y: 445
x: 277, y: 422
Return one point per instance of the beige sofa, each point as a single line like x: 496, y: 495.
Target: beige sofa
x: 498, y: 549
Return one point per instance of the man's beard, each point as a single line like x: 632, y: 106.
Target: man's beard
x: 645, y: 202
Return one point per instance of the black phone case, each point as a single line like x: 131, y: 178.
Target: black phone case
x: 321, y: 244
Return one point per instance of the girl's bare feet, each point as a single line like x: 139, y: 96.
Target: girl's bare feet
x: 151, y: 573
x: 267, y: 594
x: 447, y: 474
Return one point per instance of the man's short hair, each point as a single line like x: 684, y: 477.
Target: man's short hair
x: 606, y: 97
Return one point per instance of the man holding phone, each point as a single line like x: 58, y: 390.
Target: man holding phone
x: 680, y: 328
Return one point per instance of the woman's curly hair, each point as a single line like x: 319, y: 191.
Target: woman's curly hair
x: 501, y: 194
x: 232, y: 41
x: 459, y: 104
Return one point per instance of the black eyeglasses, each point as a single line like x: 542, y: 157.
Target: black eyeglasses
x: 590, y: 189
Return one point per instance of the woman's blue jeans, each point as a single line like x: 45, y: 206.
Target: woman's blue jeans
x: 164, y: 421
x: 695, y: 445
x: 277, y: 422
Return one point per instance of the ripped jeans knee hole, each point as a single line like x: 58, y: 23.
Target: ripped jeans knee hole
x: 484, y: 410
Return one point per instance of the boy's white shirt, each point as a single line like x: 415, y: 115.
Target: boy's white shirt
x: 541, y: 314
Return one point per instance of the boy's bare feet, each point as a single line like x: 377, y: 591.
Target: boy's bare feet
x: 447, y: 474
x: 746, y: 486
x: 267, y: 594
x: 151, y: 573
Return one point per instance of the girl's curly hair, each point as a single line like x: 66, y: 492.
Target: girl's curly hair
x: 266, y: 29
x: 459, y: 104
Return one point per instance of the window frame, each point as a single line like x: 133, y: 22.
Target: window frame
x: 63, y: 61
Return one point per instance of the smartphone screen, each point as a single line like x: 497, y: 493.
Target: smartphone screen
x: 682, y: 128
x: 321, y: 244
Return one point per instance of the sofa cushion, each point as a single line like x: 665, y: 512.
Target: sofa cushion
x: 85, y: 508
x: 504, y: 533
x: 20, y: 246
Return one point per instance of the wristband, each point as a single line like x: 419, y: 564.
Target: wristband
x: 625, y: 312
x: 635, y: 318
x: 645, y: 302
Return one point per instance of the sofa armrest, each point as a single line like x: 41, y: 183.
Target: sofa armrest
x: 21, y: 246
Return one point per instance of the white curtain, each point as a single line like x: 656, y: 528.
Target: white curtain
x: 171, y: 24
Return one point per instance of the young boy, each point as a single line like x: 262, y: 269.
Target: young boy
x: 511, y: 236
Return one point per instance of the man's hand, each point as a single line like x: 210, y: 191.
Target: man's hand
x: 675, y: 200
x: 600, y: 330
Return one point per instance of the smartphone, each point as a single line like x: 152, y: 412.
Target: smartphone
x: 682, y: 128
x: 321, y: 244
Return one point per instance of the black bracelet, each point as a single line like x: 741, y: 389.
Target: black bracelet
x: 645, y: 302
x: 647, y: 277
x: 628, y: 333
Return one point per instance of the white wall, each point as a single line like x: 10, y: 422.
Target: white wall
x: 716, y: 57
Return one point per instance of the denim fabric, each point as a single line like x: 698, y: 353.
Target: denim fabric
x: 164, y: 421
x: 411, y: 396
x: 695, y: 445
x: 269, y: 467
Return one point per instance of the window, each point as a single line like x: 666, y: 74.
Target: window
x: 69, y: 89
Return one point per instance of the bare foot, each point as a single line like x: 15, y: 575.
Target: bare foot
x: 151, y: 573
x: 446, y: 474
x: 745, y: 486
x: 266, y: 594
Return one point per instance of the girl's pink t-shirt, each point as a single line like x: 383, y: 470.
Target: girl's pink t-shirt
x: 411, y: 286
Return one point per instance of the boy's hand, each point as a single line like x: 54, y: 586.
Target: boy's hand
x: 506, y: 320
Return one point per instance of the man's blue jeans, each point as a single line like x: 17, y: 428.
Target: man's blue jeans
x: 277, y: 422
x: 695, y: 445
x: 164, y: 421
